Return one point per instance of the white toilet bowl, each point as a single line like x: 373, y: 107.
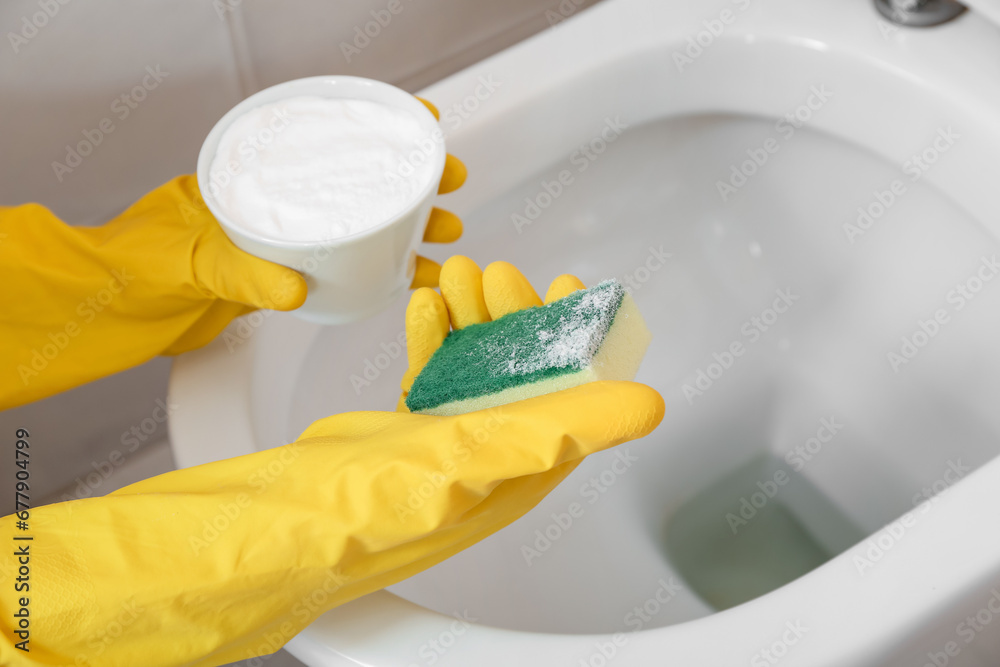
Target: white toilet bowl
x: 806, y: 207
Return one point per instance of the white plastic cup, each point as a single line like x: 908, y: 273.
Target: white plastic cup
x: 355, y: 276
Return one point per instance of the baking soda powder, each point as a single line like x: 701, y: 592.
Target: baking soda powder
x: 312, y: 169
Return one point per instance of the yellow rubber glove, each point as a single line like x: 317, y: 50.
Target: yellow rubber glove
x: 80, y: 303
x: 224, y: 561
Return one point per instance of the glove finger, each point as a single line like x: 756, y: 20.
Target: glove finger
x: 442, y: 227
x: 454, y: 175
x: 430, y: 106
x: 454, y: 170
x: 506, y: 290
x: 563, y: 285
x: 426, y: 273
x: 426, y: 328
x: 408, y: 377
x: 231, y: 274
x: 462, y: 290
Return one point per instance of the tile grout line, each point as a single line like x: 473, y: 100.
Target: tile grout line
x: 240, y: 50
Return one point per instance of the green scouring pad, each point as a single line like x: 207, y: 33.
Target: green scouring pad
x: 592, y: 334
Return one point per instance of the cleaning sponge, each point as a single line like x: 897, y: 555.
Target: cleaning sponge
x: 592, y: 334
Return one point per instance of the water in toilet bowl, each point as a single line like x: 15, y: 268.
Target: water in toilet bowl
x: 754, y: 530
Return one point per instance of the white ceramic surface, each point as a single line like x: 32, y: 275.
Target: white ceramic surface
x: 878, y: 98
x: 349, y: 278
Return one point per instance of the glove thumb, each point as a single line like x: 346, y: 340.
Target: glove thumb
x: 234, y: 275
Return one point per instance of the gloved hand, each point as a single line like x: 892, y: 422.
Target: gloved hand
x: 468, y: 296
x: 197, y: 566
x: 80, y: 303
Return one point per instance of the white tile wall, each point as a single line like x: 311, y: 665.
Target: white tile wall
x: 422, y: 42
x: 67, y: 78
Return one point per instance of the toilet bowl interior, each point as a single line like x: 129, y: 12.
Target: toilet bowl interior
x: 814, y: 389
x: 641, y: 537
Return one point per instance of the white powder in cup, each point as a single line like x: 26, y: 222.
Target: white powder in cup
x: 313, y: 169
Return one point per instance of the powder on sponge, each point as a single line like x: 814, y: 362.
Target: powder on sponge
x: 592, y: 334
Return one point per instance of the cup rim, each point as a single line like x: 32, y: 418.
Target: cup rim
x: 315, y: 86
